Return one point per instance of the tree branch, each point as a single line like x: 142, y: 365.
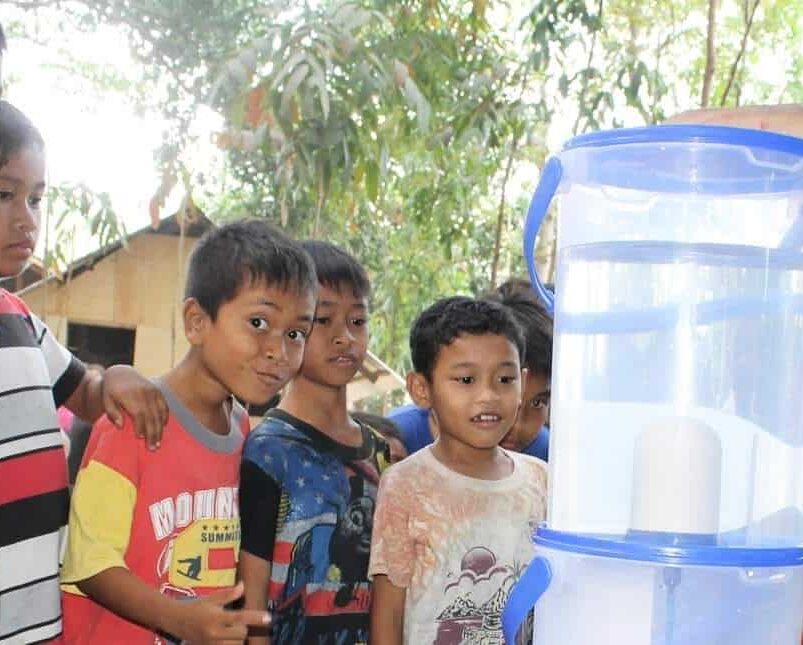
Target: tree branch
x: 710, y: 53
x: 590, y: 60
x: 500, y: 217
x: 742, y: 48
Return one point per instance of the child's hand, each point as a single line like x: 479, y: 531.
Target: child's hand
x: 207, y: 621
x: 125, y: 390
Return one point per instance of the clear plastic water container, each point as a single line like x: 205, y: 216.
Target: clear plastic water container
x: 677, y: 392
x: 631, y: 593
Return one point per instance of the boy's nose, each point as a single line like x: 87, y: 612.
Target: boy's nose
x: 342, y: 336
x: 25, y: 220
x: 489, y: 393
x: 275, y: 352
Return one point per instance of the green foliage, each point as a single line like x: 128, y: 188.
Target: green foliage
x: 79, y: 213
x: 395, y: 127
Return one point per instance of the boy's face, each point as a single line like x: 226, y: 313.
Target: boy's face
x: 532, y: 415
x: 474, y: 391
x: 256, y: 343
x: 338, y: 343
x: 22, y: 183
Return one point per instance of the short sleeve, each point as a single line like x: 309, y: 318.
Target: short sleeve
x: 65, y: 370
x: 102, y: 508
x: 259, y: 510
x: 392, y: 545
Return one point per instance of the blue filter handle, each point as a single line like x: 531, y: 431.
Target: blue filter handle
x: 547, y: 186
x: 523, y: 596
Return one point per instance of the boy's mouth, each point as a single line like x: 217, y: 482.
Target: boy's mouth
x: 344, y: 360
x: 23, y: 247
x: 486, y: 418
x: 271, y: 378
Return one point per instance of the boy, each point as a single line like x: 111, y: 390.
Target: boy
x: 454, y: 521
x: 37, y: 375
x: 148, y: 529
x: 309, y: 477
x: 529, y: 434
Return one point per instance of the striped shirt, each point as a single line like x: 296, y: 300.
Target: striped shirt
x: 37, y: 374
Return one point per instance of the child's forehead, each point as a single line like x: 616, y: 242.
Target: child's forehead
x: 25, y: 166
x: 341, y: 293
x: 486, y: 347
x: 262, y: 290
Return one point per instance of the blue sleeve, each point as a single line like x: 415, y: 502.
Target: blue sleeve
x: 413, y: 424
x: 540, y: 445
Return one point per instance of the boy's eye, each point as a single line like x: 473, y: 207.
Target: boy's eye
x: 297, y: 334
x: 465, y: 380
x: 6, y: 195
x: 321, y: 320
x: 359, y: 322
x: 258, y: 323
x: 508, y: 379
x: 35, y: 201
x: 538, y: 403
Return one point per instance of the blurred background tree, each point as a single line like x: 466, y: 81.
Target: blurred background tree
x: 412, y: 131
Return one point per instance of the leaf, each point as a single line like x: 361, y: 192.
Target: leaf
x: 372, y: 180
x: 419, y: 103
x: 296, y: 58
x: 292, y: 84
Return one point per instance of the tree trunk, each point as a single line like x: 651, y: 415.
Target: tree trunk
x: 749, y: 15
x: 500, y: 217
x: 710, y: 53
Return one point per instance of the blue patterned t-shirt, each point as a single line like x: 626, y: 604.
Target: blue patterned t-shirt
x: 307, y: 505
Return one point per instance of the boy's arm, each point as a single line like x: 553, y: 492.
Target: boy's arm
x: 121, y: 389
x: 254, y: 573
x: 89, y: 394
x: 200, y: 621
x: 259, y: 498
x: 392, y: 556
x: 387, y: 612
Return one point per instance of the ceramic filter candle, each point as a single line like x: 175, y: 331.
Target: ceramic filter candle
x: 677, y: 469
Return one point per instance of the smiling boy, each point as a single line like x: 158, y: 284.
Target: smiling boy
x: 453, y: 521
x: 150, y: 531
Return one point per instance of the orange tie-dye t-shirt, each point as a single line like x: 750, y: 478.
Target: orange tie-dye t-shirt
x: 456, y: 544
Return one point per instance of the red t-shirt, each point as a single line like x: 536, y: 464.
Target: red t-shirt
x: 170, y: 516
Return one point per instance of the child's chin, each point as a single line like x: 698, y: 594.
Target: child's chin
x: 11, y: 268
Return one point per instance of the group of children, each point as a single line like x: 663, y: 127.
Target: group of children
x: 185, y: 526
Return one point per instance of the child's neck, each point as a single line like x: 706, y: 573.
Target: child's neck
x: 479, y: 463
x: 324, y: 407
x: 206, y: 399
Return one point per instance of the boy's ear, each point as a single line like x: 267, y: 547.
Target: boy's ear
x: 418, y: 388
x: 196, y: 321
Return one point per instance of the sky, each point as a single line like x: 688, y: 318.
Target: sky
x: 99, y: 139
x: 96, y: 140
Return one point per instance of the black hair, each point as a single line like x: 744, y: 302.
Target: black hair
x: 518, y: 296
x: 336, y: 268
x: 440, y: 324
x: 16, y: 132
x: 227, y: 257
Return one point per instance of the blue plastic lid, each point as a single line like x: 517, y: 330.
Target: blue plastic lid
x: 669, y: 551
x: 719, y: 134
x: 689, y: 159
